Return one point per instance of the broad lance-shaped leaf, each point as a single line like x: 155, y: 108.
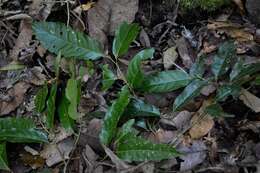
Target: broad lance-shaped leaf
x: 40, y: 99
x: 108, y: 78
x: 65, y: 119
x: 71, y: 92
x: 240, y: 70
x: 191, y: 91
x: 223, y: 59
x: 113, y: 115
x: 132, y: 148
x: 51, y: 107
x: 3, y: 157
x: 20, y: 130
x: 58, y: 37
x: 135, y: 75
x: 138, y: 108
x: 166, y: 81
x: 227, y: 90
x: 124, y: 36
x: 126, y: 128
x: 198, y: 68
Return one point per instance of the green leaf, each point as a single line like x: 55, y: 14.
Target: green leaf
x: 198, y: 68
x: 65, y: 119
x: 3, y: 157
x: 138, y: 108
x: 124, y: 36
x: 108, y: 78
x: 240, y: 70
x: 126, y: 128
x: 132, y: 148
x: 57, y: 37
x: 135, y: 75
x: 20, y: 130
x: 166, y: 81
x: 223, y: 59
x: 113, y: 115
x: 191, y: 91
x: 215, y: 110
x: 40, y: 99
x: 51, y: 107
x: 227, y: 90
x: 71, y: 92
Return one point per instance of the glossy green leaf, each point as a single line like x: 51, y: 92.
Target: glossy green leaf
x: 166, y: 81
x: 240, y: 70
x: 215, y: 110
x: 108, y: 78
x: 51, y: 107
x: 20, y: 130
x: 3, y: 157
x: 138, y: 108
x: 191, y: 91
x: 66, y: 122
x: 125, y: 129
x: 40, y: 99
x: 198, y: 68
x: 223, y: 59
x: 71, y: 92
x: 124, y: 36
x: 227, y: 90
x: 57, y: 37
x: 132, y: 148
x: 135, y: 75
x: 113, y: 115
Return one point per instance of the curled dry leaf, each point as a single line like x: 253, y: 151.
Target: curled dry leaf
x: 250, y: 100
x: 107, y: 15
x: 17, y: 95
x: 202, y: 123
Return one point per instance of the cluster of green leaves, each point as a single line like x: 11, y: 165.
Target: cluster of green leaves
x: 208, y: 5
x: 17, y: 130
x: 126, y: 108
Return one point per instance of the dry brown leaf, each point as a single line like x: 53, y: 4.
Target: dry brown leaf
x: 55, y: 153
x: 35, y: 76
x: 17, y: 94
x: 34, y: 161
x: 87, y: 6
x: 234, y: 30
x: 202, y: 124
x: 250, y: 100
x: 107, y: 15
x: 169, y: 57
x: 162, y: 136
x: 240, y: 5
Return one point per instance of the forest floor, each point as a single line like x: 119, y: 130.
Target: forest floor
x: 227, y: 142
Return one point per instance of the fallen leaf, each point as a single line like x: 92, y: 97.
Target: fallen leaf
x: 55, y: 153
x: 202, y: 123
x: 162, y: 136
x: 183, y: 50
x: 35, y: 76
x: 207, y: 90
x: 107, y: 15
x: 193, y: 155
x: 33, y: 161
x: 240, y: 5
x: 16, y: 94
x: 250, y: 100
x: 234, y: 30
x: 169, y: 57
x: 87, y: 6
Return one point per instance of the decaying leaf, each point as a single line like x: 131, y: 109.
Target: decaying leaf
x: 202, y: 123
x: 183, y: 50
x: 55, y: 153
x: 107, y: 15
x: 234, y: 30
x: 250, y: 100
x: 169, y: 57
x: 17, y: 94
x: 193, y: 155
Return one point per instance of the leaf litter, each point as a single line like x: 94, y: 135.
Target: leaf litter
x: 178, y: 49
